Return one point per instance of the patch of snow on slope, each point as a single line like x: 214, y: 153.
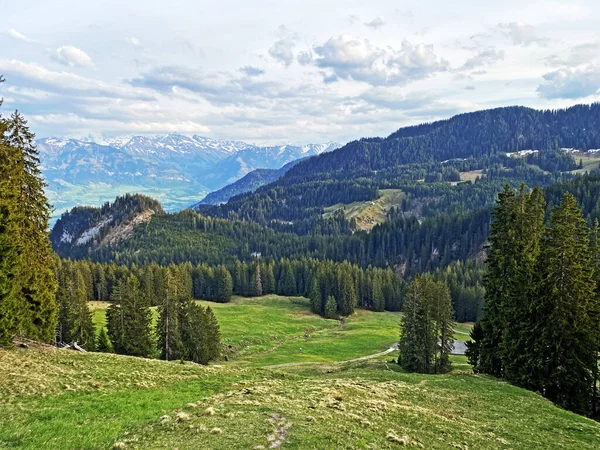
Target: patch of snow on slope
x: 66, y: 237
x: 90, y: 233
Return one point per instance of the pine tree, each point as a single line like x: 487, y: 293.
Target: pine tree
x: 564, y: 339
x: 331, y: 307
x: 11, y: 215
x: 378, y: 298
x: 223, y: 285
x: 256, y: 289
x: 27, y: 283
x: 213, y: 334
x: 168, y: 329
x: 594, y: 311
x: 103, y: 343
x: 528, y: 228
x: 129, y: 321
x: 441, y: 302
x: 315, y: 296
x: 497, y: 284
x: 347, y: 300
x: 74, y: 316
x: 413, y: 344
x: 268, y: 281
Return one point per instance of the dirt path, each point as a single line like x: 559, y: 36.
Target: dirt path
x: 362, y: 358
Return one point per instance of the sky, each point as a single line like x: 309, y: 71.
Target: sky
x: 288, y: 71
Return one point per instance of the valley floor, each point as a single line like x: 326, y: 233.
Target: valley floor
x: 55, y: 398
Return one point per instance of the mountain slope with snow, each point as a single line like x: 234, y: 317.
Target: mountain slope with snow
x: 176, y: 169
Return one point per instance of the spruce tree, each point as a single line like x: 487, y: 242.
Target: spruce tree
x: 413, y: 344
x: 103, y: 343
x: 315, y: 296
x: 331, y: 307
x: 27, y: 283
x: 522, y: 274
x: 268, y: 281
x: 223, y: 285
x: 564, y: 340
x: 168, y: 327
x: 75, y: 323
x: 443, y: 314
x: 11, y: 215
x: 347, y: 298
x: 497, y: 284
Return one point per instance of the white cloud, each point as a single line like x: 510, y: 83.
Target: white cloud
x: 37, y: 76
x: 347, y: 57
x: 73, y: 57
x: 281, y: 50
x: 483, y: 58
x: 19, y: 36
x: 377, y: 22
x: 570, y: 83
x: 84, y: 124
x: 576, y: 55
x: 521, y: 34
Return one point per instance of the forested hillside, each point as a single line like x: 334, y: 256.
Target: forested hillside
x: 512, y: 144
x: 439, y: 223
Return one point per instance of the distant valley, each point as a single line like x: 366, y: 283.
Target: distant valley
x: 178, y: 170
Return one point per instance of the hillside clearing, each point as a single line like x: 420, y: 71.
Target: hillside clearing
x: 370, y: 213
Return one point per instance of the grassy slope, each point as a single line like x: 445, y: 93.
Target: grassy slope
x: 61, y: 399
x: 273, y: 330
x: 368, y: 214
x: 94, y: 401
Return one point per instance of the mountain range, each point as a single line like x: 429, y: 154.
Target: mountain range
x: 174, y: 168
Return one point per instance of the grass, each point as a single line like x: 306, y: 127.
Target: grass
x: 55, y: 398
x: 370, y: 213
x: 275, y: 330
x: 122, y: 402
x: 590, y: 161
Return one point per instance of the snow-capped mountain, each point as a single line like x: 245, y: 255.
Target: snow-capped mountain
x: 174, y: 168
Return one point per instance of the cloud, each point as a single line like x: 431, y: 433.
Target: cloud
x: 19, y: 36
x: 576, y: 55
x: 132, y: 40
x: 218, y: 89
x: 85, y: 124
x: 281, y: 50
x: 483, y: 58
x: 521, y: 34
x: 35, y: 76
x: 377, y: 22
x: 346, y: 57
x: 73, y: 57
x: 386, y: 98
x: 252, y: 71
x: 570, y: 83
x: 305, y: 58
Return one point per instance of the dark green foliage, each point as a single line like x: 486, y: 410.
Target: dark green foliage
x: 74, y: 317
x: 426, y: 328
x: 129, y: 320
x: 103, y: 344
x: 330, y: 308
x: 27, y: 283
x: 540, y: 328
x: 564, y: 337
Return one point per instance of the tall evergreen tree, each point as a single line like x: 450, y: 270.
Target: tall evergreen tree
x: 564, y: 339
x: 223, y: 285
x: 415, y: 343
x: 27, y: 283
x: 497, y: 284
x: 168, y: 329
x: 103, y: 344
